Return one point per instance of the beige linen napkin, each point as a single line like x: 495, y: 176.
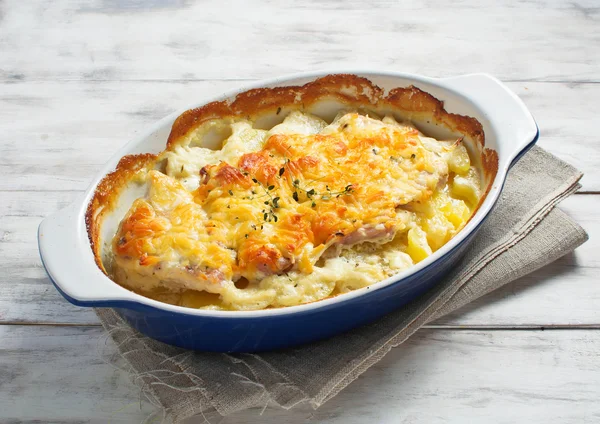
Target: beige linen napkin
x: 523, y: 233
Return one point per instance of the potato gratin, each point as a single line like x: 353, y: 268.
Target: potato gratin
x: 295, y: 214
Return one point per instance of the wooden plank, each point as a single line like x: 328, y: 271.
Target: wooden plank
x: 55, y: 374
x: 564, y: 115
x: 56, y: 136
x: 110, y: 40
x: 563, y: 293
x: 58, y: 375
x: 458, y: 377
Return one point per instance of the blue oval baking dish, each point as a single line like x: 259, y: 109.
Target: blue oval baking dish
x: 507, y: 127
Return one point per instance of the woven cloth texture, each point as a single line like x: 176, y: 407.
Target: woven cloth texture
x: 523, y: 233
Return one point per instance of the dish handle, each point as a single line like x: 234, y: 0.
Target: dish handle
x: 513, y: 125
x: 70, y: 264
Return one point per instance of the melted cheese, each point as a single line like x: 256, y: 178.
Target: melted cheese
x: 292, y: 215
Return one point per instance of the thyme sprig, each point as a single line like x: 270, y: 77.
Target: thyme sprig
x: 272, y: 204
x: 313, y: 195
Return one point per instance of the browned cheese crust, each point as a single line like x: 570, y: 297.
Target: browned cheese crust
x: 349, y: 89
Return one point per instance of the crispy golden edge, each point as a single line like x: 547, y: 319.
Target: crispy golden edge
x: 350, y: 89
x: 106, y: 195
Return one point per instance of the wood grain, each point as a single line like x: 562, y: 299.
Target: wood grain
x: 54, y: 374
x: 466, y: 376
x: 72, y: 128
x: 184, y: 40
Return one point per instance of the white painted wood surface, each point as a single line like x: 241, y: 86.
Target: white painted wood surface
x: 78, y: 79
x: 76, y: 126
x: 451, y: 376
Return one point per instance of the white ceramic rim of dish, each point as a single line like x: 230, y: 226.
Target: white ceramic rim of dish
x: 71, y: 220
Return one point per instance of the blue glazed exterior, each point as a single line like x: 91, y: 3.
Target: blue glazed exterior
x: 272, y: 332
x: 231, y: 334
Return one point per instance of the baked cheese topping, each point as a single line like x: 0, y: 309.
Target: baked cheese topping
x: 295, y: 214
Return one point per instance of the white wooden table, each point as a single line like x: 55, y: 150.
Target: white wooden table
x: 80, y: 78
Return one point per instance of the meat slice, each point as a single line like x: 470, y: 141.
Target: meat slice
x: 377, y: 233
